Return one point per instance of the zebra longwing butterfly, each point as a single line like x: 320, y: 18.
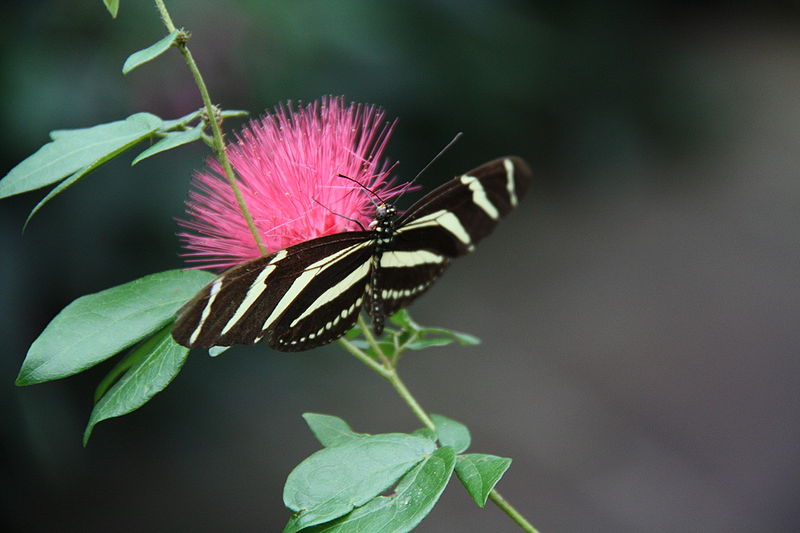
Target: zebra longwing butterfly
x: 311, y: 293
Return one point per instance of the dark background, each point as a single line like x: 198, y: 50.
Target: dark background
x: 639, y: 312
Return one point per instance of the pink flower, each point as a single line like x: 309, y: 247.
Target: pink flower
x: 288, y: 164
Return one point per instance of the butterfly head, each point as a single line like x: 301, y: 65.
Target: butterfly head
x: 383, y: 212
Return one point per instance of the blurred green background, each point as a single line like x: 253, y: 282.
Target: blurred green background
x: 639, y: 312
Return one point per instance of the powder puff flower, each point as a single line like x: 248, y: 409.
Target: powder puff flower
x: 288, y: 164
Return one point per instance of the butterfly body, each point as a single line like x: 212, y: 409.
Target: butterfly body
x: 311, y: 293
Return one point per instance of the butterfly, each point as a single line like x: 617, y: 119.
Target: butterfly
x: 310, y: 294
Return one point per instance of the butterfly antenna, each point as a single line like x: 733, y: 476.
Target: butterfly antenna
x: 431, y: 162
x: 360, y: 225
x: 373, y: 193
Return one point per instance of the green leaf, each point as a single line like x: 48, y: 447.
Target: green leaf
x: 428, y: 433
x: 461, y: 338
x: 181, y: 122
x: 97, y: 326
x: 171, y: 140
x: 150, y: 53
x: 232, y: 113
x: 422, y: 344
x: 112, y: 6
x: 152, y: 366
x: 479, y: 473
x: 452, y: 433
x: 403, y: 319
x: 122, y: 366
x: 330, y: 430
x: 334, y: 480
x: 413, y: 498
x: 72, y: 151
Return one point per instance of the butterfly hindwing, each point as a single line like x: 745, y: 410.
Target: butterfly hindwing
x: 403, y: 276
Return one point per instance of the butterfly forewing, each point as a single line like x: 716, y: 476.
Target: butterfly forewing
x: 452, y: 218
x: 263, y: 297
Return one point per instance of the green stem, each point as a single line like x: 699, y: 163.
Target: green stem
x: 404, y: 393
x: 365, y: 329
x: 364, y: 358
x: 218, y: 140
x: 389, y: 373
x: 507, y: 508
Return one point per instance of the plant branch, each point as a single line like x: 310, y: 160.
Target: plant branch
x: 507, y: 508
x: 364, y: 358
x: 388, y: 371
x: 218, y: 140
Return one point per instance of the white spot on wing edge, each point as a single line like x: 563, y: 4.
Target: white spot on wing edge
x: 512, y: 193
x: 479, y: 197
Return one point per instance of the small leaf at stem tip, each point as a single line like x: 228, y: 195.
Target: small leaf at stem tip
x: 112, y: 6
x: 479, y: 473
x: 151, y: 52
x: 413, y: 498
x: 97, y: 326
x: 330, y: 430
x: 452, y: 433
x: 428, y: 343
x: 403, y: 319
x: 156, y: 362
x: 461, y: 338
x: 232, y: 113
x: 333, y: 481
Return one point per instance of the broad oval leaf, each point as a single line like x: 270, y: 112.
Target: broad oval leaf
x: 330, y: 430
x: 413, y: 498
x: 333, y: 481
x: 479, y: 473
x: 452, y: 433
x: 73, y: 150
x: 150, y: 53
x: 155, y: 363
x: 97, y: 326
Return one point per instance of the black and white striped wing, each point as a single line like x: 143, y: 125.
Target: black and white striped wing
x: 304, y: 296
x: 446, y: 223
x: 452, y: 218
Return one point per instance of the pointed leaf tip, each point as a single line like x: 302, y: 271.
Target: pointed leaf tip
x: 112, y: 6
x: 329, y: 430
